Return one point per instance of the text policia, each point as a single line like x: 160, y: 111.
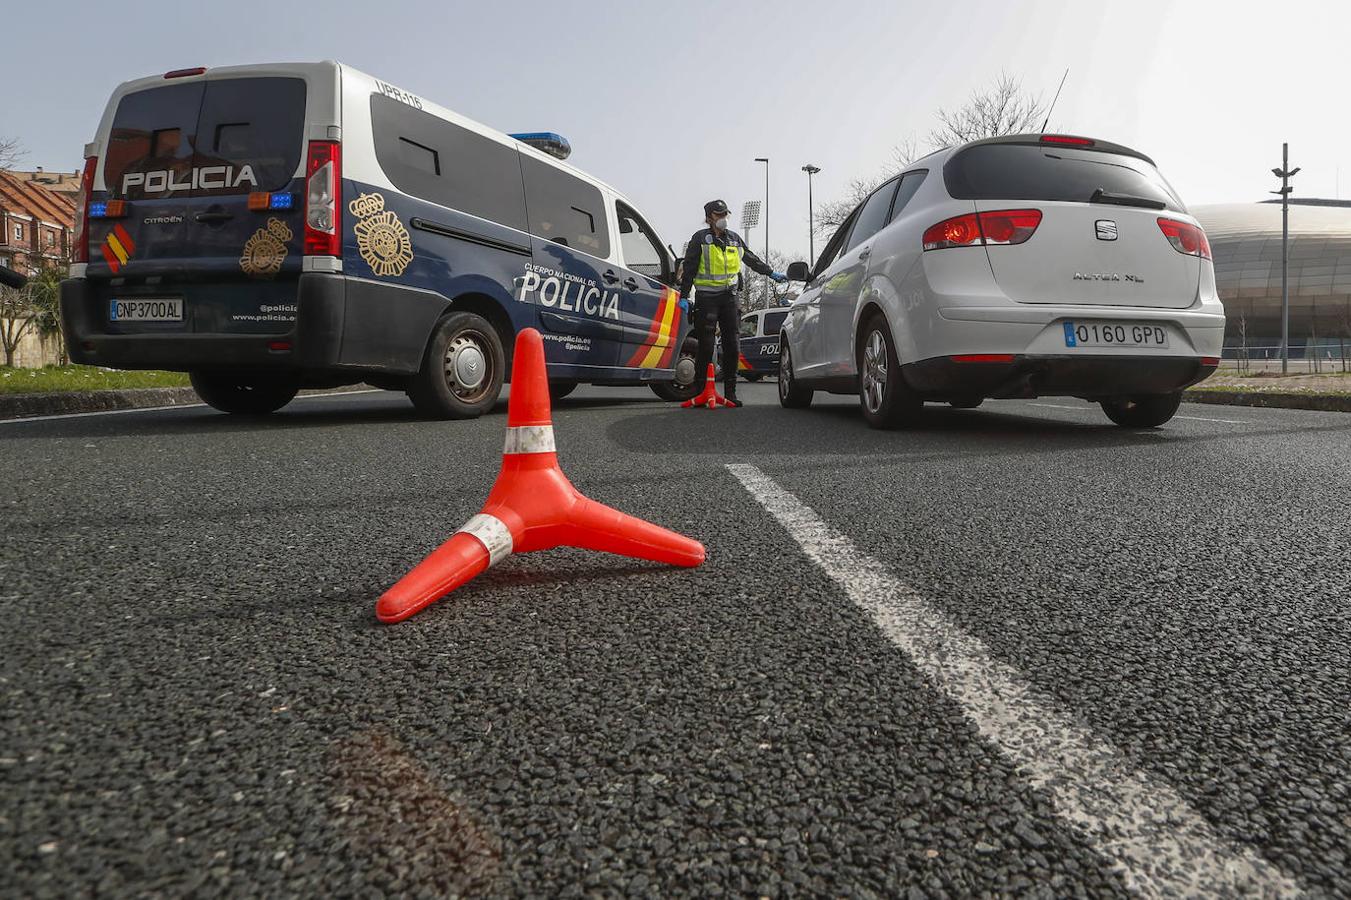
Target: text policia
x: 570, y: 293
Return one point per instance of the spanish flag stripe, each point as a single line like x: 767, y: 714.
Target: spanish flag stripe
x: 665, y: 316
x: 652, y: 332
x: 116, y: 247
x: 124, y: 238
x: 110, y: 257
x: 672, y: 331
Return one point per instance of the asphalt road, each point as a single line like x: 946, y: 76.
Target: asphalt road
x: 197, y: 698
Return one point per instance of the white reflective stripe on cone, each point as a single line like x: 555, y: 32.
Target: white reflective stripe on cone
x: 492, y: 533
x: 530, y: 439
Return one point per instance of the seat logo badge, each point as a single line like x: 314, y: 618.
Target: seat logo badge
x: 266, y: 250
x: 382, y: 240
x: 1106, y: 229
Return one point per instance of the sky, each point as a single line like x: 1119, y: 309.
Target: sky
x: 671, y: 103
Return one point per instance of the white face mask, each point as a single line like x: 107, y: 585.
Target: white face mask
x: 720, y: 224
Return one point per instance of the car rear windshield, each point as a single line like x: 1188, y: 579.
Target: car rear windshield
x: 206, y: 138
x: 1018, y: 172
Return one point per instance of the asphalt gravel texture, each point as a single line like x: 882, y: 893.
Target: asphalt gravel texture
x: 198, y: 700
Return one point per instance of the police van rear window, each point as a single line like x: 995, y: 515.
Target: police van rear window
x: 1020, y: 172
x: 206, y: 138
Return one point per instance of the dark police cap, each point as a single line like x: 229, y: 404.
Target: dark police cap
x: 715, y: 206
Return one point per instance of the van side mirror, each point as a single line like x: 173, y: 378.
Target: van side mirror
x: 798, y: 271
x: 11, y: 278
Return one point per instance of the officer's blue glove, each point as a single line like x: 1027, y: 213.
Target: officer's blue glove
x: 684, y: 304
x: 778, y: 277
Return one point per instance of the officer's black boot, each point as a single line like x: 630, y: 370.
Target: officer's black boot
x: 729, y: 391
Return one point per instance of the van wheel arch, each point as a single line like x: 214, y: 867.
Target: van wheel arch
x: 488, y: 308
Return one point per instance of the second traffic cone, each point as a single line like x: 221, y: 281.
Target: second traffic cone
x: 709, y: 397
x: 532, y: 506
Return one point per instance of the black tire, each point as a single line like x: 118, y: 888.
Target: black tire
x: 686, y: 385
x: 244, y: 394
x: 883, y: 396
x: 791, y: 394
x: 1146, y: 411
x: 966, y: 402
x: 462, y: 370
x: 560, y: 389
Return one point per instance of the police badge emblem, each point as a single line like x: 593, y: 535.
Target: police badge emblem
x: 266, y: 250
x: 382, y: 240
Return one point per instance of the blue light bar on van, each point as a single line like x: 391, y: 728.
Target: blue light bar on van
x: 261, y: 200
x: 107, y: 209
x: 547, y: 141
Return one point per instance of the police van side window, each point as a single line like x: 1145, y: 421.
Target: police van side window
x: 642, y: 251
x: 442, y: 163
x: 565, y: 209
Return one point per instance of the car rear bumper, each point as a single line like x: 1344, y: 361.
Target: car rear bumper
x: 342, y: 324
x: 1029, y: 375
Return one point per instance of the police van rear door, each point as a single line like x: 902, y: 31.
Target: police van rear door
x: 209, y: 171
x: 649, y: 307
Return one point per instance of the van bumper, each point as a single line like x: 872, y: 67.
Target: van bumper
x: 343, y: 325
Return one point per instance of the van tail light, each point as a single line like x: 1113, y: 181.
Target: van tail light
x: 1186, y: 237
x: 81, y: 241
x: 323, y: 200
x: 998, y: 227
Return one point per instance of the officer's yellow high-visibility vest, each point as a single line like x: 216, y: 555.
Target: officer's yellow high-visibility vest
x: 718, y: 266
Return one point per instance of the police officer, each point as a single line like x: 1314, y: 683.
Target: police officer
x: 712, y: 263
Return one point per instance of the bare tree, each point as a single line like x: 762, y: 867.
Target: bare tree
x: 1004, y: 108
x: 18, y: 315
x: 11, y: 151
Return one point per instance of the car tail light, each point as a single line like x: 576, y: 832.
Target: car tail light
x: 999, y: 227
x: 82, y: 220
x: 323, y: 200
x: 1211, y: 361
x: 1186, y: 237
x: 1070, y: 139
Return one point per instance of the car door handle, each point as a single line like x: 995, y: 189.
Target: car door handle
x: 631, y: 283
x: 208, y: 218
x: 610, y: 276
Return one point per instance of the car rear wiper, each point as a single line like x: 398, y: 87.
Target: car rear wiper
x: 1101, y: 196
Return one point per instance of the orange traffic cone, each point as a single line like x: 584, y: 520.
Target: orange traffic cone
x: 710, y: 396
x: 532, y: 506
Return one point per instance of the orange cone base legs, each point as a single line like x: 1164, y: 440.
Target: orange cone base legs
x: 532, y: 506
x: 710, y: 396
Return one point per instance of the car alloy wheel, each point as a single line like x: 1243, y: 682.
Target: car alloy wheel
x: 875, y: 371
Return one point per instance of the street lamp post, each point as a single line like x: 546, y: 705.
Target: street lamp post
x: 811, y: 216
x: 765, y: 160
x: 1285, y: 173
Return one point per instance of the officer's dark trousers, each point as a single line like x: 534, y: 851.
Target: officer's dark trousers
x: 713, y: 311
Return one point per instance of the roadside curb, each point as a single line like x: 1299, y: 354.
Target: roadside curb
x: 57, y: 403
x: 1272, y: 399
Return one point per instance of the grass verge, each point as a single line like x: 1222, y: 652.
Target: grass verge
x: 51, y: 379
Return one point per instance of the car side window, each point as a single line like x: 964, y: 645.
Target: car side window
x: 836, y: 245
x: 910, y: 183
x: 748, y: 325
x: 873, y: 215
x: 642, y: 251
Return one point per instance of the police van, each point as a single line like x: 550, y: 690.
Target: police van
x: 268, y: 228
x: 759, y: 340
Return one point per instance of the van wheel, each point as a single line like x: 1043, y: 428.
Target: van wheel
x: 685, y: 385
x: 249, y: 395
x: 791, y: 394
x: 560, y: 389
x: 1147, y: 411
x: 462, y: 371
x: 752, y: 377
x: 886, y: 399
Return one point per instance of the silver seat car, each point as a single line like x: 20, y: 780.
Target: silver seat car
x: 1019, y: 266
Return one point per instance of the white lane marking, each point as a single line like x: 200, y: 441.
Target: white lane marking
x: 1205, y: 419
x: 1137, y: 822
x: 118, y: 412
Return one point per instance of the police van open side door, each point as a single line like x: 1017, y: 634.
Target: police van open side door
x: 649, y: 306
